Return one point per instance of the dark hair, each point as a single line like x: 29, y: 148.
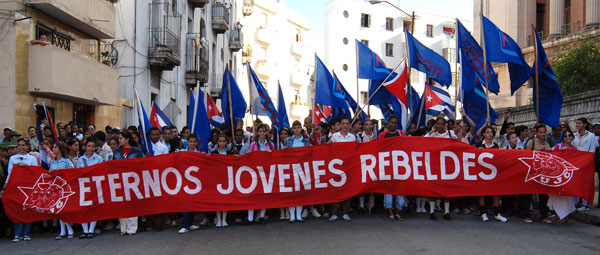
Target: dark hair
x: 129, y: 137
x: 538, y: 126
x: 50, y: 139
x: 24, y: 140
x: 486, y: 128
x: 90, y: 140
x: 296, y: 123
x: 133, y: 128
x: 72, y: 141
x: 215, y: 131
x: 194, y: 136
x: 451, y: 121
x: 225, y: 136
x: 175, y: 142
x: 173, y: 127
x: 344, y: 118
x: 238, y: 131
x: 154, y: 129
x: 184, y: 128
x: 440, y: 118
x: 165, y: 128
x: 520, y: 129
x: 115, y: 139
x: 107, y: 128
x: 393, y: 117
x: 332, y: 122
x: 562, y: 135
x: 47, y: 128
x: 100, y: 136
x: 287, y: 130
x: 62, y: 147
x: 511, y: 133
x: 585, y: 122
x: 30, y: 127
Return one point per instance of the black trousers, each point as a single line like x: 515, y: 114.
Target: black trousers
x: 524, y: 202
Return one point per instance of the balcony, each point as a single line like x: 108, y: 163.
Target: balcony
x: 216, y: 85
x: 265, y: 36
x: 198, y: 3
x: 220, y: 18
x: 264, y: 69
x: 300, y: 79
x: 247, y: 54
x: 298, y: 48
x: 235, y: 39
x: 299, y: 109
x: 196, y: 61
x: 93, y: 17
x: 55, y: 72
x: 164, y: 31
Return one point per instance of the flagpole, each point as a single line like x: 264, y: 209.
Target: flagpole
x: 230, y: 104
x: 423, y: 98
x: 456, y: 77
x: 407, y: 57
x: 537, y: 84
x: 485, y: 72
x: 251, y: 99
x: 195, y: 106
x: 315, y: 95
x: 357, y: 87
x: 375, y: 92
x: 141, y: 116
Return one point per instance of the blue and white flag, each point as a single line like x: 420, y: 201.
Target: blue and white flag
x: 551, y: 98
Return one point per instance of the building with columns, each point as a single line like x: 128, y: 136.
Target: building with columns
x: 559, y: 23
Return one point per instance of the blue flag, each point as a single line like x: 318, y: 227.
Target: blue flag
x: 264, y: 101
x: 386, y: 111
x: 370, y: 65
x: 238, y: 102
x: 428, y: 61
x: 383, y: 96
x: 145, y: 126
x: 550, y: 96
x: 350, y: 101
x: 500, y: 47
x: 281, y: 111
x: 472, y: 56
x: 198, y: 121
x: 328, y: 91
x: 474, y: 102
x: 415, y: 108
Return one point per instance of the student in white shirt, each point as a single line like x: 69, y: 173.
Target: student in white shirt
x: 439, y: 130
x: 584, y: 141
x: 343, y: 136
x: 158, y: 147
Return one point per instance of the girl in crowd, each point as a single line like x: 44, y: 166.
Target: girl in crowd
x: 89, y: 158
x: 388, y: 199
x: 295, y: 141
x: 584, y: 141
x: 73, y: 146
x: 562, y: 205
x: 127, y: 149
x: 487, y: 143
x: 22, y: 158
x: 60, y: 162
x: 261, y: 143
x: 136, y: 139
x: 284, y: 213
x: 367, y: 135
x: 113, y: 143
x: 222, y: 142
x: 439, y: 130
x: 537, y: 143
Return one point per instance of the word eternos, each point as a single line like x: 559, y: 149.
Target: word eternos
x: 417, y: 166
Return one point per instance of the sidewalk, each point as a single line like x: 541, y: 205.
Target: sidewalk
x: 590, y: 217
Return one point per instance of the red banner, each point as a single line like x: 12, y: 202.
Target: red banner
x: 186, y: 181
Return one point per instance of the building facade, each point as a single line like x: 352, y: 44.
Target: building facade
x: 381, y: 27
x: 559, y: 23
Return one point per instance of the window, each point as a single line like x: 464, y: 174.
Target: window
x: 298, y: 35
x: 389, y: 49
x: 297, y: 97
x: 345, y: 40
x: 365, y: 42
x: 345, y: 14
x: 364, y: 97
x: 365, y: 20
x: 429, y: 30
x: 389, y: 24
x: 407, y: 25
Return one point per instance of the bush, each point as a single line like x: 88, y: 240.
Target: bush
x: 577, y: 69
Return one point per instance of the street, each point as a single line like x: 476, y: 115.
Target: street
x: 465, y: 234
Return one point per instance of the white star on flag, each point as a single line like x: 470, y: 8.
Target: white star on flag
x: 429, y: 98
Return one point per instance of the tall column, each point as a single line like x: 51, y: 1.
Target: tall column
x: 557, y: 17
x: 592, y: 14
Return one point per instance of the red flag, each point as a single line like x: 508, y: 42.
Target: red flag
x: 319, y: 116
x: 432, y: 98
x: 399, y: 87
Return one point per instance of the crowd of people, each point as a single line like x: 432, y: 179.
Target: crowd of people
x: 77, y: 147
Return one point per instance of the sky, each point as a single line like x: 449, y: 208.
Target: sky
x: 314, y: 11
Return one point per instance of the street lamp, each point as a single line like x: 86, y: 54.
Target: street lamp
x: 412, y: 17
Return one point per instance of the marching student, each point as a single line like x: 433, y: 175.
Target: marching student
x: 187, y: 218
x: 367, y: 135
x: 127, y: 149
x: 537, y: 143
x: 388, y: 199
x: 487, y: 143
x: 563, y: 205
x: 74, y: 150
x: 584, y: 141
x: 22, y: 158
x: 222, y: 142
x: 89, y: 158
x: 61, y: 162
x: 284, y: 133
x: 295, y: 141
x: 240, y: 145
x: 342, y: 136
x: 439, y: 130
x: 261, y: 143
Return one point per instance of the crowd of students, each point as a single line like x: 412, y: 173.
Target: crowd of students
x: 80, y: 148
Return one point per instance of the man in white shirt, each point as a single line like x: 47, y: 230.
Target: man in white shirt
x: 342, y: 136
x: 157, y: 147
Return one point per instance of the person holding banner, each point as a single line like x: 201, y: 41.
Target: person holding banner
x: 367, y: 135
x: 73, y: 146
x: 22, y: 158
x: 60, y: 162
x: 342, y: 136
x: 440, y: 130
x: 297, y: 140
x: 488, y: 143
x: 388, y: 199
x: 584, y: 141
x: 188, y: 217
x: 222, y: 144
x: 88, y: 159
x: 537, y: 143
x: 563, y: 205
x: 261, y: 143
x: 127, y: 149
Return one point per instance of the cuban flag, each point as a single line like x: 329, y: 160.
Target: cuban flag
x: 158, y: 118
x: 214, y: 115
x: 399, y: 87
x: 320, y: 116
x: 438, y: 100
x: 144, y: 125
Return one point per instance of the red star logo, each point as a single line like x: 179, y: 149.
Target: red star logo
x: 548, y: 169
x: 49, y: 194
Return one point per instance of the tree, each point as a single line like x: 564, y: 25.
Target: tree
x: 577, y: 69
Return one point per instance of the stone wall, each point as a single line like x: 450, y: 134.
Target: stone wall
x: 574, y: 107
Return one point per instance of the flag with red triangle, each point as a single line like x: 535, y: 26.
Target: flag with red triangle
x: 213, y: 113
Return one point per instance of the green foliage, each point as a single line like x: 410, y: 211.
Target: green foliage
x: 577, y: 69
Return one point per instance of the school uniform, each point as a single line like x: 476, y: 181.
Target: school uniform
x: 22, y: 230
x: 62, y: 163
x: 260, y: 146
x: 128, y: 225
x: 344, y: 205
x: 84, y: 161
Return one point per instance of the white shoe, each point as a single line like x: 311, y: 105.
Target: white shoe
x: 314, y: 213
x: 456, y: 211
x: 346, y: 217
x: 583, y: 209
x: 333, y: 218
x: 484, y: 217
x: 224, y: 224
x: 183, y: 231
x: 304, y: 213
x: 499, y: 217
x: 194, y: 227
x: 218, y: 224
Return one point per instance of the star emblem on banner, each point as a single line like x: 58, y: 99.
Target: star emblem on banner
x: 548, y: 169
x: 49, y: 194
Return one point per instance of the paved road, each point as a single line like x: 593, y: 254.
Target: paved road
x: 364, y: 235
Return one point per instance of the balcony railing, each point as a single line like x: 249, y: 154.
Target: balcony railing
x: 216, y: 85
x: 164, y: 41
x: 198, y: 3
x: 196, y: 60
x: 571, y: 28
x: 235, y: 39
x: 220, y: 18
